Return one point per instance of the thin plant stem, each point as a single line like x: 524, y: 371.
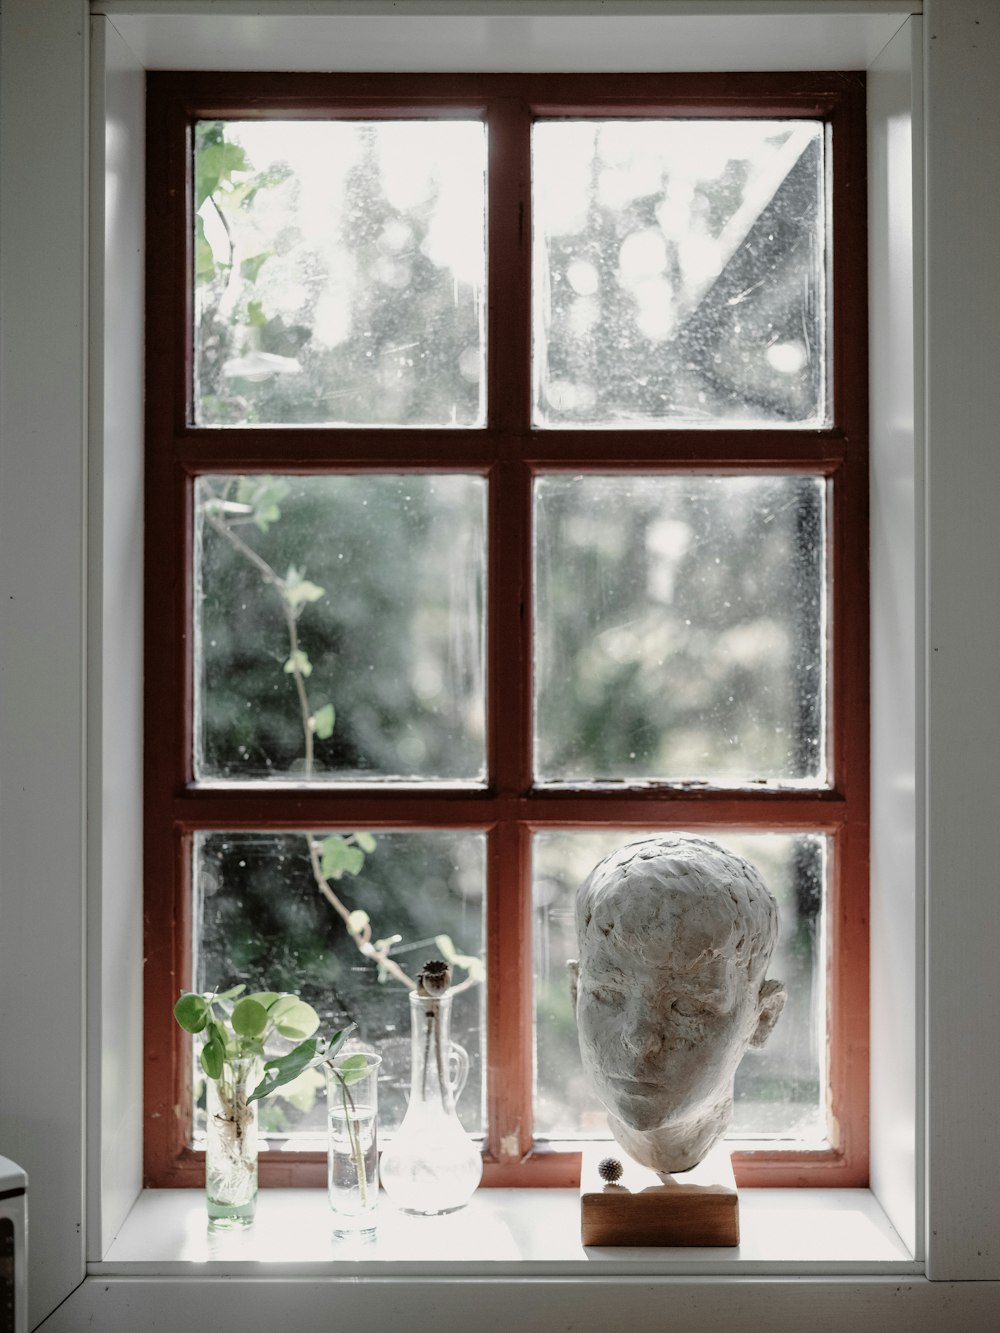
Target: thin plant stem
x: 361, y: 938
x: 354, y: 1134
x: 439, y: 1053
x: 427, y: 1047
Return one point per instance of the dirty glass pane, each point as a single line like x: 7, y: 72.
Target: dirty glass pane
x: 340, y: 272
x: 779, y: 1087
x: 259, y: 918
x: 679, y: 273
x: 338, y: 625
x: 680, y: 629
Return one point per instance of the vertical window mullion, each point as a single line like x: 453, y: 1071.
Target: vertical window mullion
x: 508, y: 204
x: 509, y: 1024
x: 509, y: 1006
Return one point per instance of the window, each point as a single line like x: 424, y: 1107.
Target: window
x: 506, y: 474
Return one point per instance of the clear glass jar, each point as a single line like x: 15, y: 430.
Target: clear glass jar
x: 352, y: 1142
x: 432, y: 1165
x: 231, y: 1146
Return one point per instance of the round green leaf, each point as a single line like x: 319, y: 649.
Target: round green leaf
x: 323, y: 722
x: 352, y: 1069
x: 213, y: 1055
x: 293, y: 1017
x: 192, y: 1013
x: 352, y: 1062
x: 365, y: 841
x: 249, y: 1017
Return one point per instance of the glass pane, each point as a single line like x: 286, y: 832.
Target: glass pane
x: 679, y: 272
x: 680, y: 629
x: 339, y: 628
x: 779, y: 1087
x: 340, y: 272
x: 259, y: 918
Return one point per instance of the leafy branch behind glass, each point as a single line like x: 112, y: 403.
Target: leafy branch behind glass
x: 255, y: 503
x: 239, y: 342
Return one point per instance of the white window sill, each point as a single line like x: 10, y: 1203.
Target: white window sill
x: 502, y: 1233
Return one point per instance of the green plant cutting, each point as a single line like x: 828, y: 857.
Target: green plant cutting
x: 237, y: 1030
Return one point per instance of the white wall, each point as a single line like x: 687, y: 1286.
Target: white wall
x: 46, y: 520
x: 897, y: 494
x: 962, y: 388
x: 114, y: 623
x: 43, y: 559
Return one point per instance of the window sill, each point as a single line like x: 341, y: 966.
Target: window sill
x: 503, y: 1233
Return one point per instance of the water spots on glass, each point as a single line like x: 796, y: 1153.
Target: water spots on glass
x: 679, y: 272
x: 259, y: 919
x: 686, y: 641
x: 340, y: 272
x: 390, y: 623
x: 780, y: 1088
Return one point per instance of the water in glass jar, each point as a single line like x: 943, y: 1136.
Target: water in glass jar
x: 352, y: 1167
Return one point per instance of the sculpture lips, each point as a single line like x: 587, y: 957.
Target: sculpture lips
x: 634, y: 1084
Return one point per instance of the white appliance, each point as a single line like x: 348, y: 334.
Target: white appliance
x: 13, y: 1248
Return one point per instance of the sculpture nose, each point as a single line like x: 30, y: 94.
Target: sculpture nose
x: 641, y: 1035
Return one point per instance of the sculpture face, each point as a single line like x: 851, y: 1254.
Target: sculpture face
x: 675, y: 936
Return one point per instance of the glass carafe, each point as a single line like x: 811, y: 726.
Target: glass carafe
x: 432, y: 1165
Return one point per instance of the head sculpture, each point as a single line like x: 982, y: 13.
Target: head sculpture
x: 675, y: 935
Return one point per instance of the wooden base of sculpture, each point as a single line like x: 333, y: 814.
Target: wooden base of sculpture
x: 696, y: 1207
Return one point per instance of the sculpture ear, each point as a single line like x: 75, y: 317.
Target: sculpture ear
x: 573, y: 968
x: 770, y: 1003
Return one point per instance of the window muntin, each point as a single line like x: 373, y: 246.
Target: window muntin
x: 511, y: 807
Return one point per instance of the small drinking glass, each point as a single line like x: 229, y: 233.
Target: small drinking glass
x: 352, y: 1145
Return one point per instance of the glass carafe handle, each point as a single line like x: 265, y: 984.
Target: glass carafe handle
x: 458, y: 1068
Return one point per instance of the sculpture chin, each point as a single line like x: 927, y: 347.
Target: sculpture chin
x: 644, y: 1106
x: 639, y: 1111
x: 675, y: 1147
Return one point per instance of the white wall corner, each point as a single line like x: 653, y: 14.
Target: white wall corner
x: 114, y: 788
x: 43, y: 394
x: 962, y: 163
x: 895, y: 293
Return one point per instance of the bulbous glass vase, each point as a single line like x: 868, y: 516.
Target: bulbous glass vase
x: 432, y: 1165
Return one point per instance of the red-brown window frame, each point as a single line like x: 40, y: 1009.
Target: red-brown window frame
x: 509, y: 452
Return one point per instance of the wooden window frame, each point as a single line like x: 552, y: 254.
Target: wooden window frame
x: 509, y: 452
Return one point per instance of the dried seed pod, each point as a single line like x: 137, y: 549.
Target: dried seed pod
x: 435, y: 978
x: 610, y: 1169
